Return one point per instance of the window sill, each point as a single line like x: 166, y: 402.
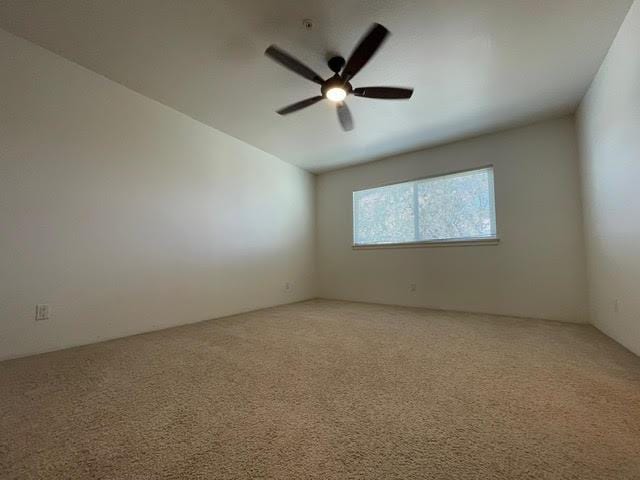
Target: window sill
x: 479, y: 242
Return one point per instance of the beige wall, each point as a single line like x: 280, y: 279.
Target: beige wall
x: 609, y: 128
x: 127, y: 216
x: 537, y: 270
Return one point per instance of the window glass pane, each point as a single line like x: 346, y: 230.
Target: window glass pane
x: 450, y: 207
x: 384, y: 215
x: 456, y: 206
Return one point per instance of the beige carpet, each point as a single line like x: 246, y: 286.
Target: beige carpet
x: 329, y: 390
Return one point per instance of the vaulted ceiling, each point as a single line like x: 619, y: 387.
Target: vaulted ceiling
x: 476, y: 65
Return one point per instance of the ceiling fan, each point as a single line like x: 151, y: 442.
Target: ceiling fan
x: 337, y: 87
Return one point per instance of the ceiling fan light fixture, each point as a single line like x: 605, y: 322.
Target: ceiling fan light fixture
x: 336, y: 94
x: 338, y: 87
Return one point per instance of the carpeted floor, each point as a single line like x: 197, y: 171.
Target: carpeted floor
x: 329, y: 390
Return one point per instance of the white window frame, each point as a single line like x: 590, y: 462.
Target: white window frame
x: 453, y: 242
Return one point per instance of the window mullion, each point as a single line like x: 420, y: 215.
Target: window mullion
x: 416, y: 212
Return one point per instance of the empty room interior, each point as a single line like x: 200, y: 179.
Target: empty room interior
x: 367, y: 239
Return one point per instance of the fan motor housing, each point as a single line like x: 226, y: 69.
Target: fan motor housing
x: 335, y: 82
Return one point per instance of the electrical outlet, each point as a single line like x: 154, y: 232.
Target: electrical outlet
x: 42, y: 312
x: 616, y: 306
x: 287, y: 286
x: 413, y: 287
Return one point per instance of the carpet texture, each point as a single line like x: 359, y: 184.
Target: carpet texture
x: 329, y: 390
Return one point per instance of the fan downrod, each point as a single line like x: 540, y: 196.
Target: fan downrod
x: 336, y: 64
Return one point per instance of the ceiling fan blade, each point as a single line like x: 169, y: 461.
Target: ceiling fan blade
x: 344, y: 115
x: 367, y: 47
x: 287, y: 61
x: 389, y: 93
x: 294, y: 107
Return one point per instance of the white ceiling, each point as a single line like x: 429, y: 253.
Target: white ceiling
x: 476, y: 65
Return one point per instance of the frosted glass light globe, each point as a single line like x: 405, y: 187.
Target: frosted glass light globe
x: 336, y: 94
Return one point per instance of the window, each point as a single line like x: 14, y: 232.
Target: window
x: 448, y: 208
